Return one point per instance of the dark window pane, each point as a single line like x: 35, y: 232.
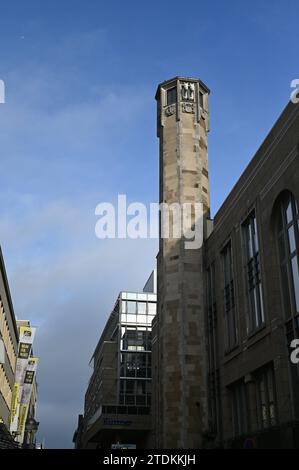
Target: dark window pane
x: 171, y: 96
x: 288, y: 210
x: 291, y: 236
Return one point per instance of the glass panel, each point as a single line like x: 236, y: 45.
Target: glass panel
x: 131, y: 296
x: 289, y: 214
x: 142, y: 296
x: 131, y: 307
x: 249, y: 241
x: 123, y: 317
x: 123, y: 307
x: 256, y: 243
x: 152, y: 308
x: 296, y: 280
x: 152, y: 297
x: 130, y: 386
x: 123, y: 295
x: 171, y: 96
x: 141, y: 319
x: 131, y: 318
x: 141, y: 307
x: 291, y: 236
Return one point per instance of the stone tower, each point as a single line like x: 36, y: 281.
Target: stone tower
x: 179, y: 339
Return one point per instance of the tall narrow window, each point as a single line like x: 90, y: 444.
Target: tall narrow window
x: 214, y: 389
x: 239, y: 405
x: 171, y: 96
x: 266, y: 397
x: 229, y: 297
x: 254, y: 283
x: 288, y: 242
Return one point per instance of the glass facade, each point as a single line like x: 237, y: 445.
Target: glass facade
x: 136, y: 315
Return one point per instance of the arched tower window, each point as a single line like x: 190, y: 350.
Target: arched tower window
x: 288, y: 243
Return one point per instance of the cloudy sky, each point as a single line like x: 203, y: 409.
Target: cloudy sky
x: 78, y: 128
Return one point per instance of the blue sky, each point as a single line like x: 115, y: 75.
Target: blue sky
x: 78, y: 128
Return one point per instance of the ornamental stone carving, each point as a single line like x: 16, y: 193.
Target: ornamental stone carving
x: 170, y: 110
x: 188, y: 108
x: 187, y: 91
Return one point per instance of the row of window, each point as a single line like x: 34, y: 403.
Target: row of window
x: 288, y: 243
x: 142, y: 308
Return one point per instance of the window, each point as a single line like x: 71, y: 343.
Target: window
x: 288, y: 247
x: 171, y: 96
x: 239, y: 406
x: 288, y: 244
x: 200, y: 99
x: 142, y: 308
x: 135, y: 340
x: 229, y: 298
x: 131, y: 306
x: 266, y: 397
x: 256, y: 316
x: 152, y: 307
x: 214, y: 383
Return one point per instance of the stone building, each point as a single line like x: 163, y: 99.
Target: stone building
x: 227, y: 311
x: 252, y: 300
x: 8, y: 356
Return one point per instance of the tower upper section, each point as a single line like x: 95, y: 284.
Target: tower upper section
x: 182, y: 95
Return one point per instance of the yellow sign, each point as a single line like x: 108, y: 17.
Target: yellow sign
x: 15, y: 401
x: 22, y: 418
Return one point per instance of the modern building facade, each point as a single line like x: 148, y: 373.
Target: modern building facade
x: 118, y: 397
x: 228, y: 311
x: 9, y: 349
